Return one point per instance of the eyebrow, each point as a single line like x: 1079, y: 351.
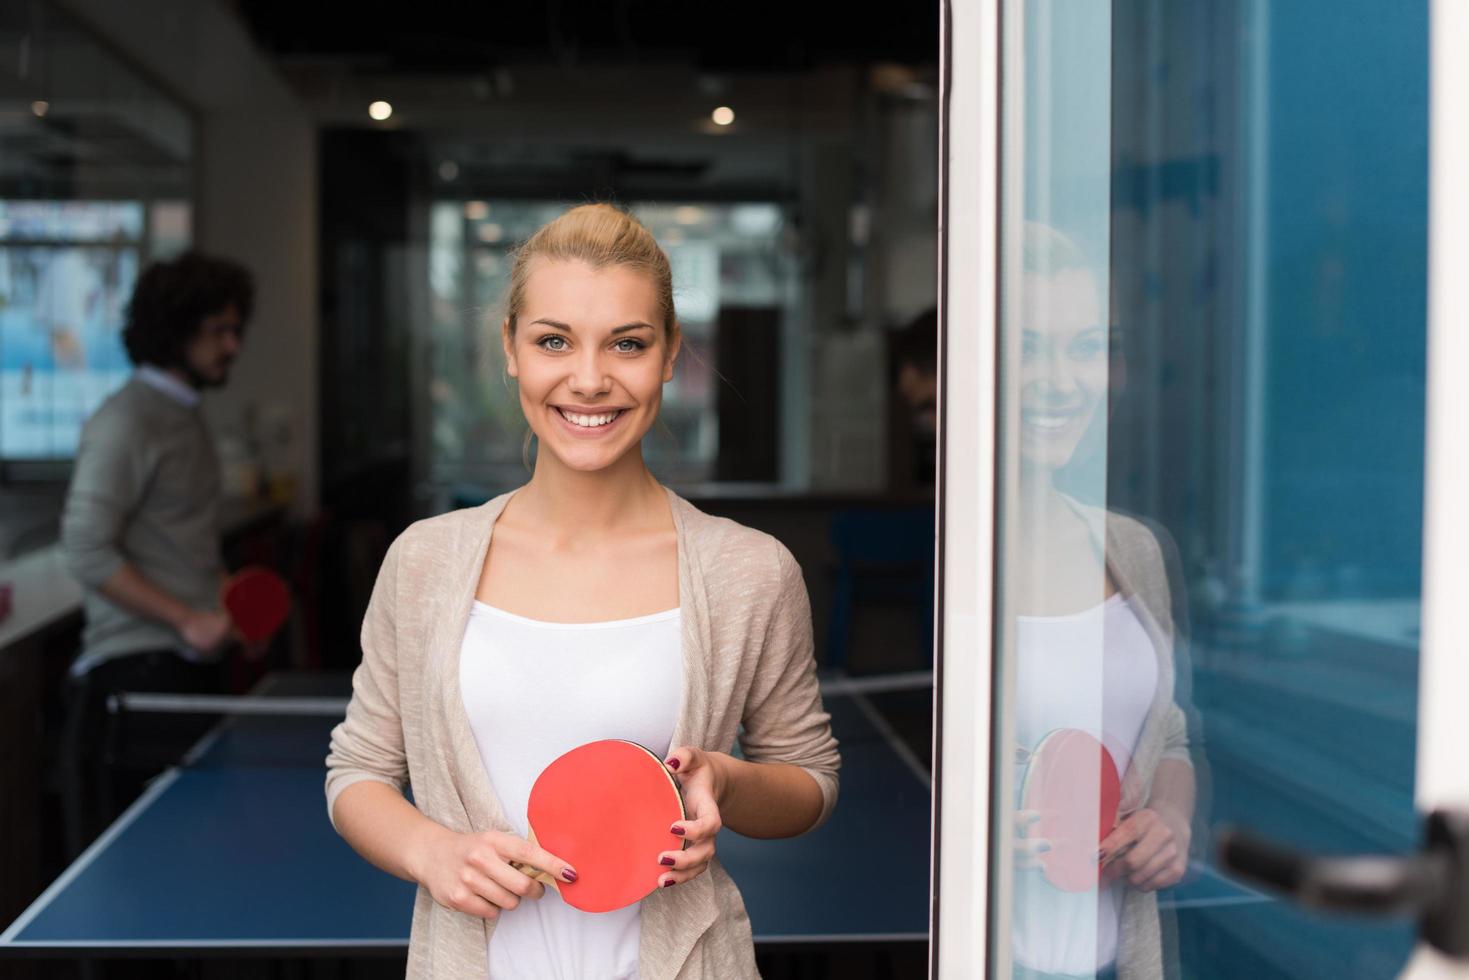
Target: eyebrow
x: 636, y: 325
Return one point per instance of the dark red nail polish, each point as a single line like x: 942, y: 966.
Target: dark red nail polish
x: 668, y: 883
x: 666, y: 861
x: 672, y: 763
x: 676, y: 829
x: 569, y: 875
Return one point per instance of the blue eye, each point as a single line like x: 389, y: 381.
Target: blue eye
x: 547, y: 341
x: 637, y: 345
x: 1090, y: 346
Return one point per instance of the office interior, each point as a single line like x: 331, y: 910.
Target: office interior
x: 370, y: 390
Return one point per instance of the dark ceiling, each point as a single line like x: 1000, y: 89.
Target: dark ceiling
x: 730, y: 37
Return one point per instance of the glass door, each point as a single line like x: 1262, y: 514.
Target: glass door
x: 1188, y: 408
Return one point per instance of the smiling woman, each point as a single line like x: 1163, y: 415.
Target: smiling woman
x: 591, y: 603
x: 590, y: 363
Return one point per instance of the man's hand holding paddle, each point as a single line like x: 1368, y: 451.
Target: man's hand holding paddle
x: 206, y: 630
x: 472, y: 872
x: 702, y: 780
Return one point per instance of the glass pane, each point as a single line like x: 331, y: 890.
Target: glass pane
x: 1212, y: 314
x: 96, y: 178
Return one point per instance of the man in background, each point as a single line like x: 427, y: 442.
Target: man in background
x: 140, y: 528
x: 915, y: 356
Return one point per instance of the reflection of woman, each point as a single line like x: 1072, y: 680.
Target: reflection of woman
x: 603, y: 606
x: 1095, y: 643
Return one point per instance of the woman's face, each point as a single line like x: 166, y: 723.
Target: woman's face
x: 1064, y: 364
x: 590, y: 357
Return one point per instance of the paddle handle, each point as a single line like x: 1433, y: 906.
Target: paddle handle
x: 544, y: 877
x: 536, y: 873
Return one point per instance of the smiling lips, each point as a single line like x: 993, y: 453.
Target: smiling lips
x: 1053, y: 420
x: 590, y: 421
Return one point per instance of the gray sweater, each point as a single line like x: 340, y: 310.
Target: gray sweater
x: 145, y: 490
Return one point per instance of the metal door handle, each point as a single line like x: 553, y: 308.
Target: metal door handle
x: 1431, y: 885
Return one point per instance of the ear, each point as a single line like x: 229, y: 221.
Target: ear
x: 675, y: 344
x: 507, y: 341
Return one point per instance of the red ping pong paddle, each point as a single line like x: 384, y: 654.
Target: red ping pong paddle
x: 258, y: 602
x: 605, y: 808
x: 1073, y: 785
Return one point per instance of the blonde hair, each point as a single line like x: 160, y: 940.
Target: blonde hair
x: 1048, y: 251
x: 600, y: 235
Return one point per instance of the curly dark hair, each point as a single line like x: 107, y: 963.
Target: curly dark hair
x: 918, y: 343
x: 171, y: 299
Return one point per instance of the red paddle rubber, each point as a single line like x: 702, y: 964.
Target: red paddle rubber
x: 1073, y: 785
x: 257, y: 601
x: 606, y: 808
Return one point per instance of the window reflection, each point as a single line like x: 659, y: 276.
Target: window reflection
x: 1242, y: 230
x: 1104, y: 766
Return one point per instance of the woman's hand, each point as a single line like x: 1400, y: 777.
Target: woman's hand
x: 701, y: 776
x: 472, y: 872
x: 1150, y: 848
x: 1028, y: 849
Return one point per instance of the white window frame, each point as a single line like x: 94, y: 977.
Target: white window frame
x: 1443, y: 679
x: 968, y: 296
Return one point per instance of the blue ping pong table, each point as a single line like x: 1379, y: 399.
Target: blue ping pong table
x: 233, y: 852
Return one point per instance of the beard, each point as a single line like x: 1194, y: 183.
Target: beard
x: 201, y: 381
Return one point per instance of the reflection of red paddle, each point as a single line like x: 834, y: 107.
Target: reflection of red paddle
x: 258, y: 602
x: 1073, y: 785
x: 605, y: 808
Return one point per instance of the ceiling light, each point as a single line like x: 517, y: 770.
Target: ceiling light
x: 380, y: 111
x: 722, y: 116
x: 40, y: 107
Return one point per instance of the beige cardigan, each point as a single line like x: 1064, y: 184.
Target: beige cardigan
x: 747, y: 651
x: 1143, y: 561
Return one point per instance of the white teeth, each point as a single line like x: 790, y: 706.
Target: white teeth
x: 1048, y: 421
x: 589, y: 421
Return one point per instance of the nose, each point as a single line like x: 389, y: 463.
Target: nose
x: 588, y: 376
x: 1058, y: 382
x: 231, y: 343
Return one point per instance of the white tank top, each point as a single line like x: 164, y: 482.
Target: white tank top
x: 534, y: 690
x: 1095, y: 671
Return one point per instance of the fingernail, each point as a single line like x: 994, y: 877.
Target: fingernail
x: 671, y: 763
x: 668, y: 883
x: 666, y: 861
x: 676, y: 829
x: 568, y: 874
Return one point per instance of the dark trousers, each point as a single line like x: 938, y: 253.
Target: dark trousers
x: 110, y: 755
